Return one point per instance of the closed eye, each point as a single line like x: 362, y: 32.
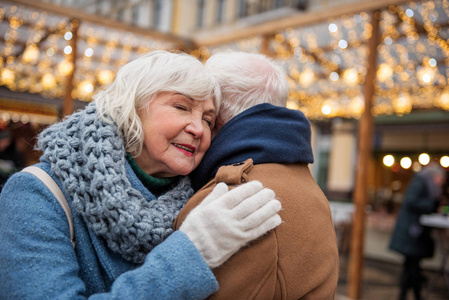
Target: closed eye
x: 209, y: 122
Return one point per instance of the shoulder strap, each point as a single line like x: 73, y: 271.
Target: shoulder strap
x: 54, y: 188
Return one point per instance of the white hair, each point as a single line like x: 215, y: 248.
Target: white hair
x: 140, y: 81
x: 247, y: 79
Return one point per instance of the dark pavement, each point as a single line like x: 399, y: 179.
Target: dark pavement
x: 381, y: 282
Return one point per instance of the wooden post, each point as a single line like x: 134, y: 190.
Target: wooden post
x: 364, y: 152
x: 265, y: 45
x: 67, y: 107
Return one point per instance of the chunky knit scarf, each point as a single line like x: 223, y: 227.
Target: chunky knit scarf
x: 88, y: 156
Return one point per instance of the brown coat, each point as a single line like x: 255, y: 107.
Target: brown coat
x: 297, y: 260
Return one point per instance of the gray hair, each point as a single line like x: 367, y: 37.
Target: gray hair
x: 433, y: 169
x: 140, y: 81
x: 429, y: 173
x: 247, y: 79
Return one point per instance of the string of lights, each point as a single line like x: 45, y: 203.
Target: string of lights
x: 36, y: 47
x: 325, y: 62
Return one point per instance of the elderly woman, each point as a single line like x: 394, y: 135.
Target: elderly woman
x: 119, y: 162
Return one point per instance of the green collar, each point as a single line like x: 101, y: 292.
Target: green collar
x: 153, y: 184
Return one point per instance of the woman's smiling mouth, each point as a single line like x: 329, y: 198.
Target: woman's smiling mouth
x: 185, y: 148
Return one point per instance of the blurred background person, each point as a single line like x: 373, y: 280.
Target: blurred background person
x: 11, y: 158
x: 409, y: 237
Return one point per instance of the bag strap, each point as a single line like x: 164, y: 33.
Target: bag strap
x: 54, y: 188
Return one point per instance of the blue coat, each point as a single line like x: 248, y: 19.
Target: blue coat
x: 38, y: 260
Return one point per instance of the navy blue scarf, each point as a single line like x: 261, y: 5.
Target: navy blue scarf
x: 265, y: 133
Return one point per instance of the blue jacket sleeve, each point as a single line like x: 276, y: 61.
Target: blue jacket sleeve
x: 181, y: 278
x: 39, y: 262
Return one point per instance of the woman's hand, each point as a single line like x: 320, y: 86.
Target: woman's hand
x: 227, y: 220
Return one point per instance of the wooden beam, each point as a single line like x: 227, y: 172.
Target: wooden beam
x: 364, y: 152
x: 83, y: 16
x: 297, y: 20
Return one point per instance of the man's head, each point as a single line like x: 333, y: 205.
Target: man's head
x: 246, y: 79
x: 435, y: 172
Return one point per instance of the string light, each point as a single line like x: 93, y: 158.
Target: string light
x: 333, y: 27
x: 443, y: 101
x: 424, y: 159
x: 388, y: 160
x: 67, y: 50
x: 64, y: 67
x: 334, y: 76
x: 89, y: 52
x: 351, y: 76
x: 444, y: 161
x: 307, y: 77
x: 7, y: 77
x: 31, y: 54
x: 402, y: 104
x: 18, y: 71
x: 105, y: 76
x: 50, y: 52
x: 326, y: 109
x: 432, y: 62
x: 68, y: 36
x: 342, y: 44
x: 406, y: 162
x: 48, y: 81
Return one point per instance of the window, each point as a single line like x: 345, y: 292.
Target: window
x: 220, y: 11
x: 135, y: 19
x: 278, y: 3
x: 157, y: 10
x: 120, y: 14
x: 98, y: 10
x: 242, y: 9
x: 200, y: 17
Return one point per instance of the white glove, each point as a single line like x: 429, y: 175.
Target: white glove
x: 227, y: 220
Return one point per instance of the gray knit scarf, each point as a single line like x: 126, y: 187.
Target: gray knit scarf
x: 88, y: 156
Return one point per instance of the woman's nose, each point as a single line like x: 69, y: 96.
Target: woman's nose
x: 195, y: 127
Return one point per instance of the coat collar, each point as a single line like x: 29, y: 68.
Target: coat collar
x: 265, y: 133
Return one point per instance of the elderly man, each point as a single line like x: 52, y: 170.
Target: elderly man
x: 259, y: 139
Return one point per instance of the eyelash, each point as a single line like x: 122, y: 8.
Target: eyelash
x: 208, y: 122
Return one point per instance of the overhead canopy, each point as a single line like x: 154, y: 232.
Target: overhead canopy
x: 324, y: 56
x: 326, y: 61
x: 36, y: 45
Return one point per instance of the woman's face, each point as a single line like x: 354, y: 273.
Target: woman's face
x: 177, y: 133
